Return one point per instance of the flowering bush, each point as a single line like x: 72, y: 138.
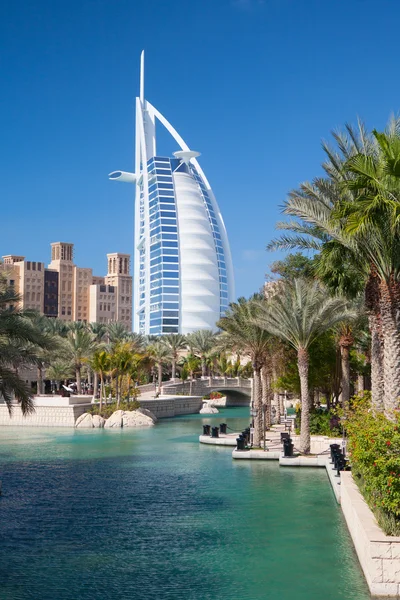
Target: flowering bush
x: 374, y: 446
x: 213, y: 396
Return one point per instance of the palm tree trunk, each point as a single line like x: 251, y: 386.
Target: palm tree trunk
x: 117, y: 389
x: 277, y: 400
x: 372, y: 303
x: 101, y: 392
x: 39, y: 381
x: 266, y: 396
x: 258, y: 419
x: 78, y: 379
x: 173, y: 374
x: 389, y: 305
x: 95, y: 384
x: 345, y: 365
x: 203, y: 367
x: 159, y: 377
x: 302, y: 363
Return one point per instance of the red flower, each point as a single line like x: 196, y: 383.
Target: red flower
x: 388, y: 443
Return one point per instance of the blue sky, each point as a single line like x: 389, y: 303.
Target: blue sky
x: 254, y: 85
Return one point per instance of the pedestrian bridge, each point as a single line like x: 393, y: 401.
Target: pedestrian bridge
x: 236, y: 389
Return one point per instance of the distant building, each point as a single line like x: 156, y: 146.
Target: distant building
x: 27, y: 277
x: 69, y: 292
x: 119, y: 278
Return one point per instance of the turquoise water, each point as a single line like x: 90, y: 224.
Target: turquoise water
x: 152, y: 515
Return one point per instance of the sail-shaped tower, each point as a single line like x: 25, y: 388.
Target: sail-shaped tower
x: 183, y: 274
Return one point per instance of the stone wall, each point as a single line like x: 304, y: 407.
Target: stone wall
x: 65, y: 416
x: 319, y: 443
x: 379, y: 554
x: 173, y: 406
x: 44, y: 416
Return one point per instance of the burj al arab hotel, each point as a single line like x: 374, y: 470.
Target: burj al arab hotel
x: 183, y: 274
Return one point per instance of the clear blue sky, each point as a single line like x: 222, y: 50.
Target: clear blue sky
x: 252, y: 84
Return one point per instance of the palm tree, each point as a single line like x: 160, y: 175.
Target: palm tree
x: 80, y: 348
x: 299, y: 314
x: 184, y: 375
x: 98, y: 331
x: 242, y: 332
x: 192, y: 363
x: 201, y: 342
x: 373, y: 219
x: 175, y: 342
x: 160, y: 354
x: 116, y: 332
x: 101, y: 364
x: 345, y: 261
x: 21, y: 343
x: 60, y: 371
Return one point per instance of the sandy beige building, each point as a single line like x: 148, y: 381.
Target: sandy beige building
x: 28, y: 279
x: 73, y: 293
x: 118, y: 276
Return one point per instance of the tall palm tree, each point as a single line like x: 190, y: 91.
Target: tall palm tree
x: 345, y: 261
x: 160, y: 354
x: 373, y: 218
x: 121, y: 362
x: 98, y: 330
x: 175, y: 342
x: 101, y: 364
x: 21, y: 344
x: 299, y: 314
x: 241, y: 331
x: 191, y: 364
x: 201, y: 342
x: 80, y: 348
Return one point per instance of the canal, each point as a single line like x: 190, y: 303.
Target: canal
x: 152, y: 515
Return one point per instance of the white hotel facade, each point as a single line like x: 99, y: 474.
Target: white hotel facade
x: 183, y: 274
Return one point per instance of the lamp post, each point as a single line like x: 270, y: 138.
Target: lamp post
x: 253, y: 414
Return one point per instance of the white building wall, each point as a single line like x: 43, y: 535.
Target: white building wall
x: 199, y: 279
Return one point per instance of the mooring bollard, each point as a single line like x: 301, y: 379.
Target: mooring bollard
x: 206, y: 429
x: 287, y: 447
x: 222, y: 428
x: 214, y: 432
x: 240, y: 443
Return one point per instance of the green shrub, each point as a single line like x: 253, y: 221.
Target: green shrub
x: 322, y: 422
x: 108, y: 409
x: 374, y: 446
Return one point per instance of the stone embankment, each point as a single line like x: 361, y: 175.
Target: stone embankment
x: 50, y: 411
x: 55, y: 411
x: 120, y: 418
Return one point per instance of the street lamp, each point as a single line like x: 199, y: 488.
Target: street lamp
x: 253, y: 414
